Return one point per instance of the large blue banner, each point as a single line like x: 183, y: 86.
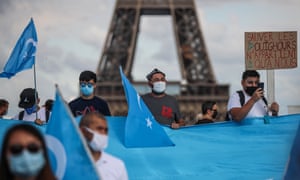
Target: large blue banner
x: 229, y: 150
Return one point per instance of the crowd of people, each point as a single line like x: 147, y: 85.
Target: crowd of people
x: 245, y: 103
x: 24, y: 150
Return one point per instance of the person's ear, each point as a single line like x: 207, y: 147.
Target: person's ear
x: 86, y: 133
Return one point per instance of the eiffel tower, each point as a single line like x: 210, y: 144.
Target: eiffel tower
x: 198, y: 84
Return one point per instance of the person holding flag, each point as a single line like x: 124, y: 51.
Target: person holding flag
x: 32, y: 112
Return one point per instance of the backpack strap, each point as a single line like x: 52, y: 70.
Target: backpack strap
x: 47, y: 115
x: 242, y: 97
x: 21, y: 115
x: 242, y: 101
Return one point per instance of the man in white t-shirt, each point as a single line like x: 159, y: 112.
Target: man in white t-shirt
x: 94, y: 128
x: 254, y: 103
x: 32, y: 112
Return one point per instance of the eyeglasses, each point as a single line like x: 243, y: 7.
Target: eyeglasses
x: 18, y: 149
x: 83, y: 84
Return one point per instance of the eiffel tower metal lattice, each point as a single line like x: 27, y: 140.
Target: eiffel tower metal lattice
x: 196, y: 70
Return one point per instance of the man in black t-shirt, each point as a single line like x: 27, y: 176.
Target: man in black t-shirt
x: 88, y: 102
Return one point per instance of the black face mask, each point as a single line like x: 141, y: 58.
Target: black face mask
x: 250, y: 90
x: 214, y: 115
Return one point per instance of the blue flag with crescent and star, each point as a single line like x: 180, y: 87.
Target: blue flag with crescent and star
x: 23, y: 54
x: 141, y: 128
x: 68, y: 151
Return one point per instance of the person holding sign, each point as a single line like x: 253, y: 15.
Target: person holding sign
x: 250, y: 102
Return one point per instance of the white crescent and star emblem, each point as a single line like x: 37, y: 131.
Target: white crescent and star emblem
x: 57, y: 148
x: 30, y: 46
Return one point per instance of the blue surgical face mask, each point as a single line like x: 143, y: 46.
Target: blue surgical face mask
x: 31, y: 110
x: 27, y: 163
x: 86, y: 90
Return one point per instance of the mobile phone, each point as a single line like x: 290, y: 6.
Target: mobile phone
x: 261, y: 85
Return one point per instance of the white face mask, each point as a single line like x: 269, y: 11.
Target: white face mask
x: 99, y: 141
x: 159, y: 86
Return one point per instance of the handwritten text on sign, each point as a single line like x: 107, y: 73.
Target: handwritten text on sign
x: 270, y: 50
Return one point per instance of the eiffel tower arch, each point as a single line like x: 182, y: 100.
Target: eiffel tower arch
x: 198, y: 80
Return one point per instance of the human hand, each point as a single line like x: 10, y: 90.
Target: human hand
x: 274, y: 108
x: 39, y: 121
x: 175, y: 125
x: 258, y: 93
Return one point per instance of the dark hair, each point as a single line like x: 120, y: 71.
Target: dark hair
x: 207, y: 105
x: 5, y: 174
x: 87, y: 76
x: 154, y: 71
x: 3, y: 102
x: 250, y: 73
x: 49, y: 104
x: 86, y: 119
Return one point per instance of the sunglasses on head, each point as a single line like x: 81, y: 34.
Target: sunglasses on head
x: 83, y: 84
x: 18, y: 149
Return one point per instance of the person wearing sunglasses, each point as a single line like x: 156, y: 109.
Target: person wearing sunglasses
x: 209, y: 111
x: 24, y: 155
x: 94, y: 128
x: 88, y: 102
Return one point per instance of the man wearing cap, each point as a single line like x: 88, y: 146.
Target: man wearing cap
x: 164, y: 107
x: 29, y: 101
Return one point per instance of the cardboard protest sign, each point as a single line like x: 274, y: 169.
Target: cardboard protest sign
x: 270, y: 50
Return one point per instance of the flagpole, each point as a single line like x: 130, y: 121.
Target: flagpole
x: 35, y: 93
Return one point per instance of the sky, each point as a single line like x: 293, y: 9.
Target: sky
x: 71, y: 34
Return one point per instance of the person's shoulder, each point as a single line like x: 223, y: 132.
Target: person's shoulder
x: 74, y: 101
x: 99, y: 99
x: 204, y: 121
x: 146, y: 95
x: 112, y: 159
x: 167, y: 96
